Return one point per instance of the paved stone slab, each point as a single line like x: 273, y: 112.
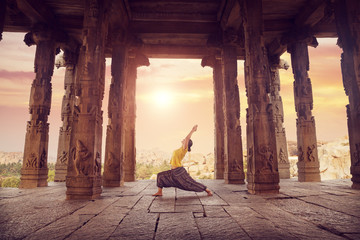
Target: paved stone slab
x: 297, y: 213
x: 288, y: 223
x: 213, y: 200
x: 220, y: 228
x: 165, y: 203
x: 189, y: 208
x: 177, y: 226
x: 256, y: 225
x: 137, y: 225
x: 322, y: 216
x: 61, y: 228
x: 215, y: 211
x: 102, y: 225
x: 137, y: 188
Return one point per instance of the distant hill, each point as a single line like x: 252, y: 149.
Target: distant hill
x: 10, y: 157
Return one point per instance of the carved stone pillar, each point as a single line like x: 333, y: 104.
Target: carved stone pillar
x: 113, y: 169
x: 3, y: 4
x: 215, y: 63
x: 83, y: 180
x: 234, y: 170
x: 34, y: 172
x: 129, y: 115
x: 278, y: 117
x: 67, y: 108
x: 347, y: 22
x: 262, y: 173
x: 308, y: 162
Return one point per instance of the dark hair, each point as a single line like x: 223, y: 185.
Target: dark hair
x: 190, y: 143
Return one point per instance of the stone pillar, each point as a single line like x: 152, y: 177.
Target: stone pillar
x: 34, y: 172
x: 83, y: 180
x: 113, y: 168
x: 278, y: 118
x: 234, y: 170
x: 67, y: 108
x: 3, y: 4
x: 308, y: 162
x: 129, y: 115
x: 218, y: 84
x: 262, y: 173
x: 348, y: 30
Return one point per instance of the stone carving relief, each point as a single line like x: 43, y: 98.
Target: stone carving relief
x: 250, y: 159
x: 300, y: 154
x: 42, y: 161
x: 97, y: 164
x: 81, y: 158
x: 31, y: 161
x: 63, y: 158
x: 113, y: 163
x: 267, y: 159
x: 310, y: 152
x: 282, y: 156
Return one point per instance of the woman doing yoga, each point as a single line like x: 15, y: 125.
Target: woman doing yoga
x: 177, y: 176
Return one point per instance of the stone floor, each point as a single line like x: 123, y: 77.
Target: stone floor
x: 326, y: 210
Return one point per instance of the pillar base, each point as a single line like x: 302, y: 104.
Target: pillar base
x: 34, y: 178
x: 112, y: 183
x: 83, y: 187
x: 263, y: 183
x: 130, y: 177
x: 60, y: 173
x: 355, y: 172
x: 219, y: 174
x: 309, y: 175
x: 234, y: 178
x: 284, y: 172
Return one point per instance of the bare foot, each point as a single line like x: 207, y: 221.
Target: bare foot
x: 209, y: 193
x: 157, y: 194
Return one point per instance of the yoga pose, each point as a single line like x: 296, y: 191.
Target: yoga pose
x: 177, y: 176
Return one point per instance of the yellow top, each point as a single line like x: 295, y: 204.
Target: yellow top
x: 177, y: 157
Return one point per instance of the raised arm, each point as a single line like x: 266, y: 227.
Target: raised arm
x: 187, y: 138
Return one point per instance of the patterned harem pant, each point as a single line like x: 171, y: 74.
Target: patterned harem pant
x: 179, y: 178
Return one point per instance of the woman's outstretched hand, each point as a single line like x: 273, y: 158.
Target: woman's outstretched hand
x: 194, y: 128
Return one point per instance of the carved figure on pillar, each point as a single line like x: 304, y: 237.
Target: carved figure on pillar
x: 262, y: 174
x: 113, y: 169
x: 308, y: 162
x: 83, y: 180
x: 135, y: 60
x: 278, y: 117
x: 34, y: 172
x: 215, y: 63
x: 347, y: 24
x: 233, y: 154
x: 68, y: 60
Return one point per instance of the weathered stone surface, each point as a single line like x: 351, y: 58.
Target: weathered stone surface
x: 177, y: 226
x: 262, y: 172
x: 326, y: 210
x: 308, y: 162
x: 136, y: 225
x: 34, y: 172
x: 220, y: 228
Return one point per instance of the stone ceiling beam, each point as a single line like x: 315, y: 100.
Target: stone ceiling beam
x: 168, y: 27
x: 311, y: 13
x: 37, y: 11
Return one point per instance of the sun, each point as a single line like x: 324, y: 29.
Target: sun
x: 163, y: 98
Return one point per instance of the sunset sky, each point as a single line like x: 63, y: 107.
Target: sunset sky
x: 172, y: 96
